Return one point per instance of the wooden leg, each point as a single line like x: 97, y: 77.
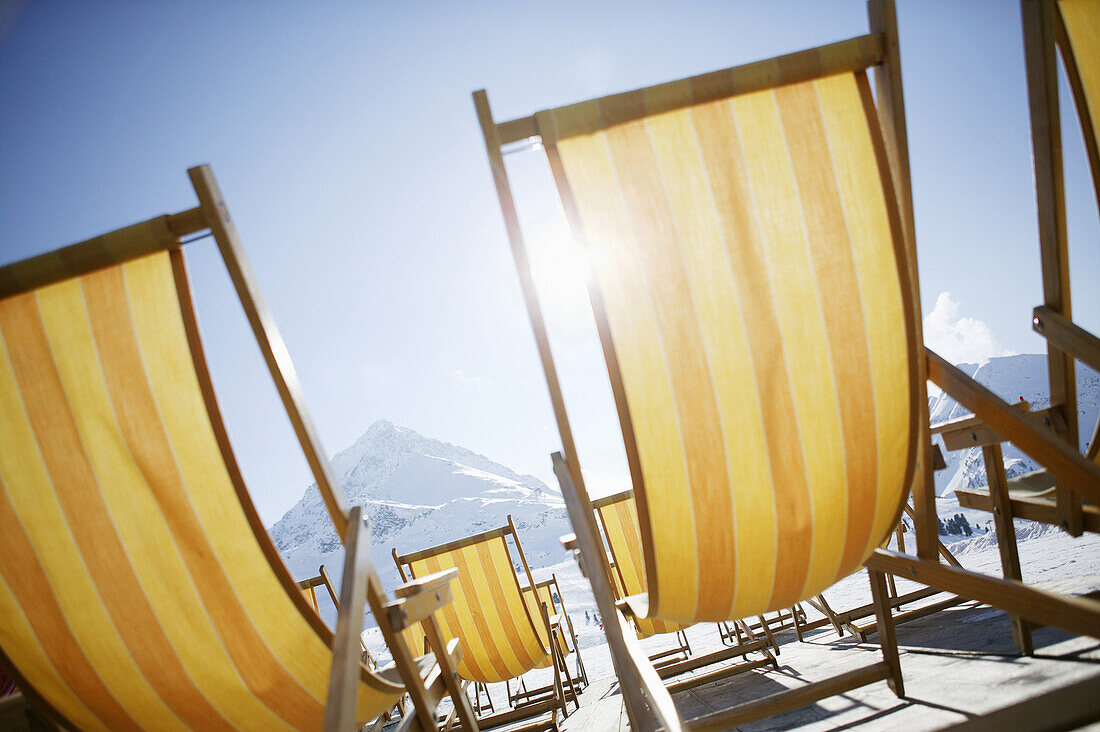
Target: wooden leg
x: 886, y: 635
x: 638, y: 681
x: 455, y: 687
x: 797, y: 625
x: 343, y: 687
x: 750, y: 636
x: 768, y: 633
x: 1006, y: 538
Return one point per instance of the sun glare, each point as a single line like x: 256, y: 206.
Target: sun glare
x: 560, y: 269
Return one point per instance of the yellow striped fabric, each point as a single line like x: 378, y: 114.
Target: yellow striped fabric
x: 416, y: 640
x: 542, y: 591
x: 1082, y: 22
x: 499, y: 638
x: 619, y: 518
x: 747, y: 286
x: 133, y: 591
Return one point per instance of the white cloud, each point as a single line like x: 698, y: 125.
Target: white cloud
x: 959, y: 339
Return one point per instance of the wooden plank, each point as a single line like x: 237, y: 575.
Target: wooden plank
x: 450, y: 546
x: 784, y: 701
x: 1006, y: 537
x: 638, y: 681
x: 968, y: 421
x: 116, y: 247
x: 270, y: 342
x: 725, y: 672
x: 1038, y: 509
x: 890, y: 103
x: 884, y: 621
x: 967, y: 432
x: 709, y: 659
x: 1046, y: 145
x: 328, y: 586
x: 1073, y: 614
x: 343, y: 688
x: 1021, y: 429
x: 1069, y: 707
x: 414, y: 606
x: 448, y: 654
x: 863, y: 632
x: 854, y: 54
x: 1067, y: 336
x: 513, y: 715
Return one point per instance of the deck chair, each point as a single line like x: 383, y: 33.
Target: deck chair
x: 1073, y: 27
x: 750, y: 264
x: 499, y: 636
x: 618, y: 518
x: 139, y: 588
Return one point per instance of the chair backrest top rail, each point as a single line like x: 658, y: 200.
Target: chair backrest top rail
x: 107, y: 250
x: 452, y: 545
x: 854, y: 54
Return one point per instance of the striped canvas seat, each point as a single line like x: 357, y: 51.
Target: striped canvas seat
x: 138, y: 588
x: 532, y: 599
x: 500, y: 637
x: 745, y: 255
x: 619, y: 519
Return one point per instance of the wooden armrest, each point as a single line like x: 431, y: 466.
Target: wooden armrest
x: 569, y: 541
x: 1066, y: 335
x: 420, y: 598
x: 428, y: 583
x: 555, y: 620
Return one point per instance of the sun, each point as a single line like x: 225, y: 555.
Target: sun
x: 560, y: 270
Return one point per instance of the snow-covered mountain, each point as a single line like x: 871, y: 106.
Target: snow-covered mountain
x: 1011, y: 378
x: 419, y: 492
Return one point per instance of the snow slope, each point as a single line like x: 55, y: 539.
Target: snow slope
x: 1011, y: 378
x: 419, y: 492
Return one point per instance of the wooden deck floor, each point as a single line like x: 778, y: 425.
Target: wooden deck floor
x: 958, y: 664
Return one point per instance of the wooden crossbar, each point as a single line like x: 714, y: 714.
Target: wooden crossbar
x: 854, y: 54
x: 452, y: 545
x: 1073, y: 614
x: 107, y: 250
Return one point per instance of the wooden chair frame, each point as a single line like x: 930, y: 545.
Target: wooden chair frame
x: 1044, y: 35
x: 562, y: 689
x: 360, y: 583
x: 648, y: 703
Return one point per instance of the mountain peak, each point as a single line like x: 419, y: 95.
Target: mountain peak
x: 382, y: 425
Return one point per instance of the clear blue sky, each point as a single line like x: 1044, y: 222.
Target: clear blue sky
x: 346, y: 144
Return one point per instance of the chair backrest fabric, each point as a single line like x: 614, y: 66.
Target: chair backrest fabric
x: 138, y: 588
x: 499, y: 637
x: 619, y: 519
x: 749, y: 282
